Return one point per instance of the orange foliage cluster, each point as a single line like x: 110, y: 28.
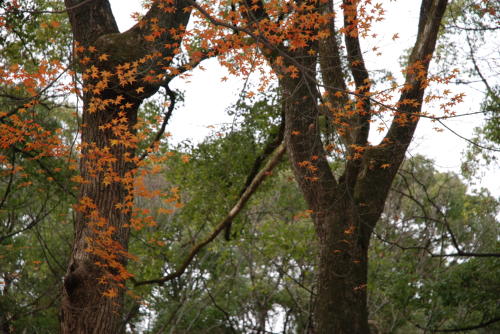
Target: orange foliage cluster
x: 360, y: 17
x: 305, y: 214
x: 21, y: 125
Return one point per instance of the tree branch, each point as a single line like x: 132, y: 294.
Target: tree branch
x: 462, y: 329
x: 232, y: 214
x: 268, y: 150
x: 158, y: 136
x: 11, y: 178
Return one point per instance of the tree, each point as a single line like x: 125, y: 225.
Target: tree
x: 354, y: 201
x: 120, y: 70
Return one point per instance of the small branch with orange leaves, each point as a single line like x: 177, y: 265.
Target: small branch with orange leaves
x: 268, y: 44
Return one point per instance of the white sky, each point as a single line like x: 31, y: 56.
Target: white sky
x: 207, y: 97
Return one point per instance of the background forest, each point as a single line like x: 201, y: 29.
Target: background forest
x: 434, y: 255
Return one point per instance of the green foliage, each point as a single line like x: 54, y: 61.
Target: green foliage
x: 412, y: 283
x: 241, y: 283
x: 33, y: 37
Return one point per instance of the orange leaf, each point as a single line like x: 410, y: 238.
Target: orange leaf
x: 103, y: 57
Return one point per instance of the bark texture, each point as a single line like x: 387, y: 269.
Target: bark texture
x: 345, y: 210
x: 84, y: 309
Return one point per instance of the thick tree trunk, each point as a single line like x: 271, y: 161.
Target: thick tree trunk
x: 84, y: 309
x: 346, y: 210
x: 342, y: 268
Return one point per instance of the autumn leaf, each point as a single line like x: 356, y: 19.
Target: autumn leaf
x: 140, y: 90
x: 350, y: 230
x: 103, y: 57
x: 295, y: 133
x: 111, y: 293
x: 223, y: 79
x: 384, y: 166
x: 395, y: 36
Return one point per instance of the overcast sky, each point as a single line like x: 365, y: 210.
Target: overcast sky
x: 207, y: 97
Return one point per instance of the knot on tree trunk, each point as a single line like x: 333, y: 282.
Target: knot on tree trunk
x: 75, y: 278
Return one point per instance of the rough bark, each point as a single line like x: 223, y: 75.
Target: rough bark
x: 339, y: 309
x: 84, y: 309
x: 346, y: 210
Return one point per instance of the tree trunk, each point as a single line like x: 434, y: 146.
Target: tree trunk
x: 84, y: 308
x: 346, y: 210
x: 342, y: 269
